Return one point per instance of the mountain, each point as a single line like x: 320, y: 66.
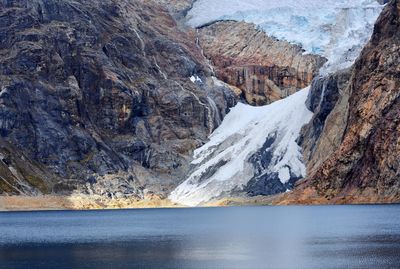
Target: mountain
x: 198, y: 101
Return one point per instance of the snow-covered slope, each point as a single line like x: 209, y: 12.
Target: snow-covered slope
x: 229, y: 160
x: 336, y: 29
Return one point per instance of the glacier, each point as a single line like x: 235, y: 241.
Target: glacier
x: 335, y: 29
x: 259, y: 143
x: 223, y: 164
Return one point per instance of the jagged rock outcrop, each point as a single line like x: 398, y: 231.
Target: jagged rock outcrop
x: 365, y: 165
x: 328, y: 100
x: 96, y: 96
x: 264, y: 68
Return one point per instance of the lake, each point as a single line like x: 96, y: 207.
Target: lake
x: 237, y: 237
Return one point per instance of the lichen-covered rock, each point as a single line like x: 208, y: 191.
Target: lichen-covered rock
x: 264, y: 68
x: 97, y: 94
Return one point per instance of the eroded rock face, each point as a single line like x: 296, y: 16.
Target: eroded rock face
x: 365, y: 165
x: 265, y: 69
x: 328, y: 100
x: 96, y: 95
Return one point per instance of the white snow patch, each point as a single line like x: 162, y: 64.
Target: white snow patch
x: 284, y: 174
x: 195, y: 79
x: 335, y: 29
x: 242, y: 133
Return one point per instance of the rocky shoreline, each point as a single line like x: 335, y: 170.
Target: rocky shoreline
x: 86, y: 202
x: 77, y: 202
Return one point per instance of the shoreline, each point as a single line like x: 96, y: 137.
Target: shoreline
x: 78, y: 202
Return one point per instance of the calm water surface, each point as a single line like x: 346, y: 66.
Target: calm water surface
x: 250, y: 237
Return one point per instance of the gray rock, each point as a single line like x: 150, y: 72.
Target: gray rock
x: 324, y: 95
x: 96, y: 92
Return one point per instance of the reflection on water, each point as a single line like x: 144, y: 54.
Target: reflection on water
x: 249, y: 237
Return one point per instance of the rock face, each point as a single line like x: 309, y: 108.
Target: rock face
x: 178, y: 8
x: 263, y: 68
x: 96, y: 95
x: 328, y: 100
x: 362, y: 132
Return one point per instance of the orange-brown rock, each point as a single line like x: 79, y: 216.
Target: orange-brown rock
x: 264, y: 68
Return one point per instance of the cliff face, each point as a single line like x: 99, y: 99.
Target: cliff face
x: 263, y: 68
x: 361, y: 135
x: 96, y: 95
x: 328, y: 100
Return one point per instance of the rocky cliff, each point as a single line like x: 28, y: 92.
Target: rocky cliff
x: 106, y: 97
x: 263, y: 68
x: 356, y: 140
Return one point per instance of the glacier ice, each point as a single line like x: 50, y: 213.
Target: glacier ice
x: 335, y: 29
x: 222, y: 164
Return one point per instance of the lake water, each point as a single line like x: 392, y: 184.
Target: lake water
x: 249, y: 237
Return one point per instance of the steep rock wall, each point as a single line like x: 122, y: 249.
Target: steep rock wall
x: 96, y: 96
x: 263, y: 68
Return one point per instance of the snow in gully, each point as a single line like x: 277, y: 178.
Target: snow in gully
x: 223, y: 164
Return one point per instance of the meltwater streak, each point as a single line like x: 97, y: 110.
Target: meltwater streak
x: 335, y: 29
x: 329, y: 237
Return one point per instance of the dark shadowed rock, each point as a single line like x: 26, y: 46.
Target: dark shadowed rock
x: 323, y: 98
x: 267, y: 183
